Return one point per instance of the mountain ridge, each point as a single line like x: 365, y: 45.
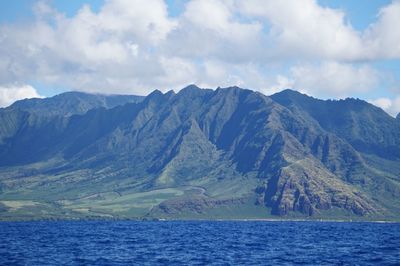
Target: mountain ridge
x: 73, y: 102
x: 201, y: 151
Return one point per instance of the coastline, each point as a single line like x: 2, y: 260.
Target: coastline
x: 115, y: 219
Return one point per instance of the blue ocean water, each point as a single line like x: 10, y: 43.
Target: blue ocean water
x: 198, y: 243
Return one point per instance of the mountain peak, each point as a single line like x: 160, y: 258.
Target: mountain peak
x: 154, y: 96
x: 155, y: 92
x: 231, y: 88
x: 291, y: 94
x: 288, y: 91
x: 288, y: 97
x: 192, y: 91
x: 72, y: 93
x: 191, y: 87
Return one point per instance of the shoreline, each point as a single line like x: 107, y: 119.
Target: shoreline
x: 98, y: 219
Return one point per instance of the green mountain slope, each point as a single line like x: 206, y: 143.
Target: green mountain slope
x: 366, y: 127
x: 225, y: 153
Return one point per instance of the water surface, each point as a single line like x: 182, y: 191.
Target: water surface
x: 198, y: 243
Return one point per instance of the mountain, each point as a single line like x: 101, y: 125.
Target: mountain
x: 199, y: 153
x: 366, y: 127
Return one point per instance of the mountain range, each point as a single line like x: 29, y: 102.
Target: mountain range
x: 198, y: 154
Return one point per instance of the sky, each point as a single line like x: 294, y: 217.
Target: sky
x: 328, y: 49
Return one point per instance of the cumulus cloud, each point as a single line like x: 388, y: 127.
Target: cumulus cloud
x: 281, y: 83
x: 114, y: 49
x: 332, y: 79
x: 305, y: 29
x: 391, y: 106
x: 381, y: 38
x: 210, y: 29
x: 135, y: 46
x: 12, y: 93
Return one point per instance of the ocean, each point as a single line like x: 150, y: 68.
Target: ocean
x: 199, y: 243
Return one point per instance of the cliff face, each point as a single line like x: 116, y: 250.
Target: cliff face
x: 200, y: 150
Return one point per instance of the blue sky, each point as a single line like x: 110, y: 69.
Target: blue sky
x: 326, y: 48
x: 360, y: 13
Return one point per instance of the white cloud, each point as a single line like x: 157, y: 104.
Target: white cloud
x: 114, y: 50
x: 383, y: 37
x: 281, y: 83
x: 305, y: 29
x: 134, y: 46
x: 391, y: 106
x: 211, y: 30
x: 10, y: 94
x: 332, y: 79
x: 384, y: 103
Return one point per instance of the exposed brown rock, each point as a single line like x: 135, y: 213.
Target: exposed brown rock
x: 197, y: 205
x: 313, y: 189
